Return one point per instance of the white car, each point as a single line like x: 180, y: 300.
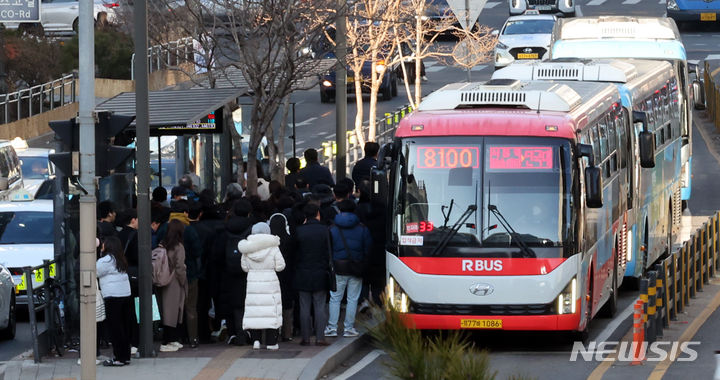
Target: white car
x: 35, y: 165
x: 8, y: 310
x: 524, y: 37
x: 61, y: 16
x: 26, y: 238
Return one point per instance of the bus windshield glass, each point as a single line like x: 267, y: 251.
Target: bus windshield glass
x: 519, y: 186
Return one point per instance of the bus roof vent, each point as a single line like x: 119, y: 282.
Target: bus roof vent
x: 540, y: 96
x: 587, y: 70
x: 601, y: 27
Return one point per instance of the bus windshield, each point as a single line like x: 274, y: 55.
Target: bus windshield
x: 520, y: 187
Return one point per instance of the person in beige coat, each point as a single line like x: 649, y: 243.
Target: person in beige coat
x: 261, y: 259
x: 173, y: 295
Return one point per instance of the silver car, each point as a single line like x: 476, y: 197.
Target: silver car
x: 524, y: 38
x: 61, y: 16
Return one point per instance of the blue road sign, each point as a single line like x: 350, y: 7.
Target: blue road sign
x: 19, y: 10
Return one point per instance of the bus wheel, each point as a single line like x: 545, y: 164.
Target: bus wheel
x: 610, y: 307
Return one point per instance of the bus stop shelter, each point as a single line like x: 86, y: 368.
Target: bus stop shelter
x: 197, y: 118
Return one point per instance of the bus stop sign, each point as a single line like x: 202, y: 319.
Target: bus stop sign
x: 19, y: 10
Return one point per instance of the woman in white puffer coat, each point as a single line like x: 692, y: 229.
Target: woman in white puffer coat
x: 261, y: 258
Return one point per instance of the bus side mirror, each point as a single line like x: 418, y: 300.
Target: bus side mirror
x: 385, y: 156
x: 693, y: 68
x: 698, y: 94
x: 646, y: 140
x: 586, y: 150
x: 593, y: 187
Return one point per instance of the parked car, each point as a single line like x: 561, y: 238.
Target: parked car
x: 61, y: 16
x: 524, y: 37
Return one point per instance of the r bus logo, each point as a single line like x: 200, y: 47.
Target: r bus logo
x: 625, y: 351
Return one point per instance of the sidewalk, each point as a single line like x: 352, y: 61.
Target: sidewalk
x: 207, y: 362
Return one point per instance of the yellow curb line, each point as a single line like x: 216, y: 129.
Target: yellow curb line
x: 600, y: 370
x: 688, y: 334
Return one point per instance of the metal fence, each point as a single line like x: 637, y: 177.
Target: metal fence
x: 167, y: 55
x: 37, y: 99
x: 671, y: 284
x: 385, y: 130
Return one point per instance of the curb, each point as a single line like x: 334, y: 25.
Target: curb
x: 331, y: 357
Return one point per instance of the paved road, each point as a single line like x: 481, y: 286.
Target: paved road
x: 22, y: 342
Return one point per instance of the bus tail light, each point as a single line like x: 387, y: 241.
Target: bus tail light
x: 566, y: 299
x: 397, y: 297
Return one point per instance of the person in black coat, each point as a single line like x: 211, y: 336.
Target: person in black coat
x: 312, y: 257
x: 231, y: 297
x: 372, y: 215
x: 361, y: 170
x: 313, y: 173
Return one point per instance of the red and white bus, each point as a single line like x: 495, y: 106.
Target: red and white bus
x: 498, y: 216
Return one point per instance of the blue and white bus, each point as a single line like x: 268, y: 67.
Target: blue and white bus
x: 654, y: 38
x: 689, y: 11
x: 653, y: 194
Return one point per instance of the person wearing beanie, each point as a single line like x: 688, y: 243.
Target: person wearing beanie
x: 261, y: 259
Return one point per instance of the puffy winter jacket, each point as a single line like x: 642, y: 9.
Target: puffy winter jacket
x: 356, y: 235
x: 113, y: 283
x: 261, y: 258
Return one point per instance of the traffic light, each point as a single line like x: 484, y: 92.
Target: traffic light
x: 110, y: 130
x: 67, y: 161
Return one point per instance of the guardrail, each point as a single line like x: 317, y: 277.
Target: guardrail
x: 673, y: 282
x: 712, y: 90
x: 38, y: 99
x: 40, y: 341
x: 167, y: 55
x: 385, y: 129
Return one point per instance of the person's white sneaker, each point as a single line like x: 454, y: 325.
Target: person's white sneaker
x: 133, y: 350
x: 350, y: 332
x: 256, y: 345
x: 329, y: 331
x: 273, y: 347
x: 168, y: 348
x: 176, y: 344
x: 424, y: 78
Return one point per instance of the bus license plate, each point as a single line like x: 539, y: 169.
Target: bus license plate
x: 708, y: 16
x: 481, y: 323
x: 527, y: 55
x: 543, y: 7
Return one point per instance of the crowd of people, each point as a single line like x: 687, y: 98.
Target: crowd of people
x: 265, y: 268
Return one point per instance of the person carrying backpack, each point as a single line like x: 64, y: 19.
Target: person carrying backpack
x: 233, y: 281
x: 351, y: 242
x: 175, y: 289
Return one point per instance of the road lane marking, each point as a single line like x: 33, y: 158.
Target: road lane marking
x: 599, y: 371
x: 705, y: 137
x: 630, y: 2
x: 492, y: 4
x: 326, y: 114
x: 306, y: 122
x: 692, y: 329
x: 612, y: 326
x: 434, y: 69
x: 596, y: 2
x: 478, y: 68
x: 364, y: 362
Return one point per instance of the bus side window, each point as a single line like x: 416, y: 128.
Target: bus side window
x: 612, y: 142
x: 596, y: 145
x: 621, y: 146
x: 604, y: 147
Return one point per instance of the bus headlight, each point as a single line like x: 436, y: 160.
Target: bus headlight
x: 566, y: 298
x: 672, y: 5
x: 397, y: 297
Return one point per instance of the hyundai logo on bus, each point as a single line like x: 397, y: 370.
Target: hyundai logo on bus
x: 481, y: 289
x: 527, y: 50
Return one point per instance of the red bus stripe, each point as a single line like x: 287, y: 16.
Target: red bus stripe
x: 482, y: 266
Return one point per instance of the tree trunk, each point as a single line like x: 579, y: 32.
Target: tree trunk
x: 372, y: 112
x: 418, y: 57
x: 279, y: 172
x: 360, y: 108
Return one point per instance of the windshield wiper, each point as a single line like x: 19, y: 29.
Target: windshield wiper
x: 449, y: 234
x: 527, y: 252
x: 447, y: 216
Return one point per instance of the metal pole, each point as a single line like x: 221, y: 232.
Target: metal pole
x: 294, y: 136
x: 142, y: 144
x: 88, y: 223
x: 340, y: 90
